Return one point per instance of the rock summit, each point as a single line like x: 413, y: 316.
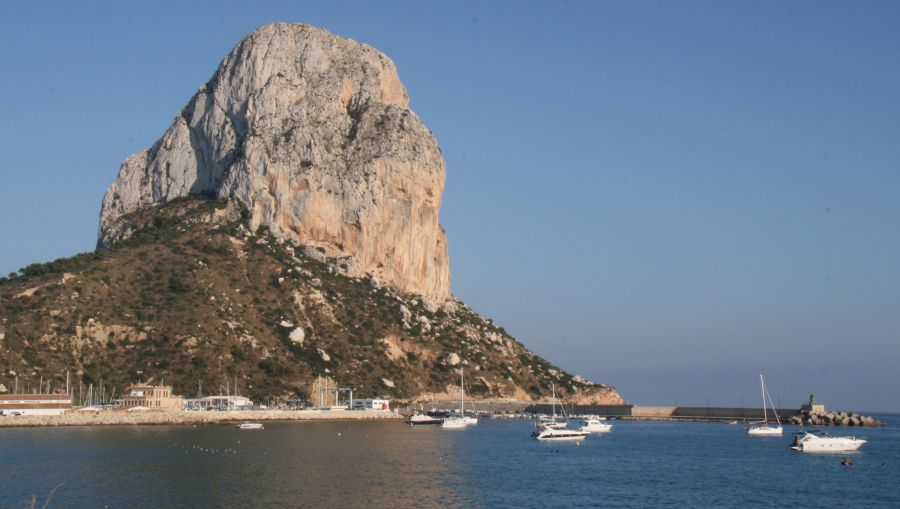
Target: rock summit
x: 313, y: 133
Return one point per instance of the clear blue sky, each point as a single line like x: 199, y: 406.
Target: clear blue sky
x: 669, y: 197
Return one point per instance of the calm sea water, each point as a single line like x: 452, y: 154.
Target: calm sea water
x: 386, y: 465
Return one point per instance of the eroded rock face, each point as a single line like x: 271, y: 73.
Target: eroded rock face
x: 313, y: 132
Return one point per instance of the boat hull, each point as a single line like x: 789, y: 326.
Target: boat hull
x: 425, y: 423
x: 418, y: 419
x: 593, y: 428
x: 830, y: 446
x: 453, y: 423
x: 765, y: 431
x: 562, y: 438
x: 560, y: 435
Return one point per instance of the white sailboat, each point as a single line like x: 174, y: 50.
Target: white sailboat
x: 553, y: 432
x: 763, y: 428
x: 460, y: 421
x: 551, y: 421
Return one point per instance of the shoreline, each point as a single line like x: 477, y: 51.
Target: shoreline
x: 153, y: 418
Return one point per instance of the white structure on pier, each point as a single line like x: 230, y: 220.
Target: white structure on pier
x: 35, y: 404
x: 371, y: 404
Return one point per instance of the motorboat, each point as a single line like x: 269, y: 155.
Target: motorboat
x: 819, y: 441
x: 554, y: 434
x: 418, y: 419
x: 763, y: 428
x: 595, y: 425
x: 250, y: 425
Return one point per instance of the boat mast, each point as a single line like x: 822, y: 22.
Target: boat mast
x: 462, y: 395
x: 553, y: 399
x: 762, y: 389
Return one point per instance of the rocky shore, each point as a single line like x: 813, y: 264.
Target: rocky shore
x: 807, y: 418
x: 111, y: 418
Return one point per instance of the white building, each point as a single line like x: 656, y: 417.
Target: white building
x: 371, y: 404
x: 35, y: 404
x: 218, y: 403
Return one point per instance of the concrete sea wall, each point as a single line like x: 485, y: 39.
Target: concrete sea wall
x: 669, y: 412
x: 103, y: 418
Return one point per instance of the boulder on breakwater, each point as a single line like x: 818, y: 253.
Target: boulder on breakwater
x: 807, y: 418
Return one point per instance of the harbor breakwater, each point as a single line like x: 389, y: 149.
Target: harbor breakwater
x: 833, y: 419
x: 725, y: 414
x: 109, y: 418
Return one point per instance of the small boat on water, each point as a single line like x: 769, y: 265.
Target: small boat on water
x: 250, y: 425
x: 462, y: 420
x: 763, y: 428
x: 819, y: 441
x: 554, y: 430
x: 453, y: 422
x: 418, y: 419
x: 552, y: 421
x: 554, y: 434
x: 547, y: 421
x: 595, y: 425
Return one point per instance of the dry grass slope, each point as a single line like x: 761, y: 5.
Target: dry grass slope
x: 193, y: 295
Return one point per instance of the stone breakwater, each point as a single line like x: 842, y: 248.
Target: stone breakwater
x: 110, y: 418
x: 834, y: 419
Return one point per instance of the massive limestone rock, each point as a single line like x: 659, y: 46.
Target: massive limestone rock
x: 313, y: 133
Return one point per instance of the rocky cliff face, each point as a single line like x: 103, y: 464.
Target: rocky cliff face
x: 313, y: 133
x: 194, y: 296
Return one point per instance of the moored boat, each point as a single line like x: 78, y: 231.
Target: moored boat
x: 764, y: 428
x: 554, y: 434
x: 595, y: 425
x: 547, y: 421
x: 418, y: 419
x: 250, y: 425
x: 470, y: 419
x: 819, y: 441
x: 551, y: 429
x: 460, y: 421
x: 453, y: 423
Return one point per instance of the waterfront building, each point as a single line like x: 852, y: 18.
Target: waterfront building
x: 35, y: 404
x: 218, y: 403
x: 371, y: 404
x: 153, y: 397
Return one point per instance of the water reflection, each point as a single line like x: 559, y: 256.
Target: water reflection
x: 386, y: 464
x: 296, y: 464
